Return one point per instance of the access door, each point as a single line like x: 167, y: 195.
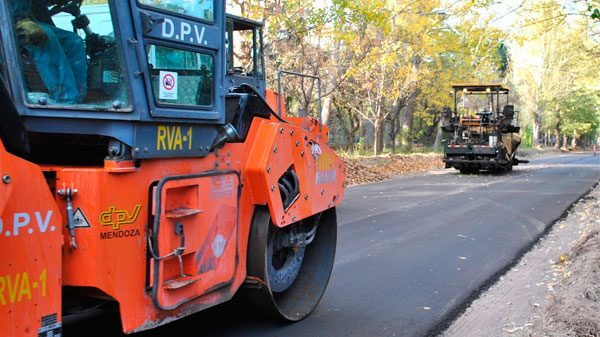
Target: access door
x: 193, y: 248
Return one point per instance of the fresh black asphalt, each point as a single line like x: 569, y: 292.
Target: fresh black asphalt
x: 413, y: 251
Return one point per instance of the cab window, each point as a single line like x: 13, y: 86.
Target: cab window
x: 202, y: 9
x: 242, y: 44
x: 181, y: 77
x: 260, y: 60
x: 69, y: 54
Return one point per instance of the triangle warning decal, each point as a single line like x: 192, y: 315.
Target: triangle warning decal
x: 79, y: 219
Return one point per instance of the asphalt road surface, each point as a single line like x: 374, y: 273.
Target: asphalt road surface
x: 412, y: 252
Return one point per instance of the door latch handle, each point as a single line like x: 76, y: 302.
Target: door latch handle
x: 179, y: 251
x: 68, y: 194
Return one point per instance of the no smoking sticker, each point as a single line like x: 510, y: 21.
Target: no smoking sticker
x: 168, y: 85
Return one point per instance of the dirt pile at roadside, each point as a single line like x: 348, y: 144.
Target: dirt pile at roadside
x: 575, y: 306
x: 377, y: 168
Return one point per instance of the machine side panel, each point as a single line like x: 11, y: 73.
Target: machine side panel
x: 30, y: 247
x: 118, y: 209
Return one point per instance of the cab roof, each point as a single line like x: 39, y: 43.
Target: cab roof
x: 480, y: 87
x: 243, y: 23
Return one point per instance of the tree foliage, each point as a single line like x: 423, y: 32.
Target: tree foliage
x: 387, y: 65
x: 557, y: 67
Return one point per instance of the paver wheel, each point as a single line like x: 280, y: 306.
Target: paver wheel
x: 468, y: 170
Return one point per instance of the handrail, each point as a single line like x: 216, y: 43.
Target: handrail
x: 300, y: 75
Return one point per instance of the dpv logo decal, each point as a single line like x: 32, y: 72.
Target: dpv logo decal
x: 116, y: 218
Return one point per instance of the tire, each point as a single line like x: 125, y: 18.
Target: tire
x: 291, y: 281
x: 469, y: 170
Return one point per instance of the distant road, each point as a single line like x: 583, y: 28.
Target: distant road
x: 412, y: 251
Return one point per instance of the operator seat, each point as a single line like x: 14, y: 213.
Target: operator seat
x: 33, y: 80
x: 508, y: 111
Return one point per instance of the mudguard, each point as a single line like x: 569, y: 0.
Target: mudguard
x: 298, y: 145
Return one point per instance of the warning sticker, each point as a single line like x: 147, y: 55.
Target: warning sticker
x: 218, y: 245
x: 221, y: 186
x: 79, y: 219
x: 50, y: 327
x: 168, y: 85
x: 52, y: 330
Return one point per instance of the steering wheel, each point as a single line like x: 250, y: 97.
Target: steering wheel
x: 68, y: 6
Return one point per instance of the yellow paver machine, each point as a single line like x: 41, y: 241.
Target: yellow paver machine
x: 484, y: 129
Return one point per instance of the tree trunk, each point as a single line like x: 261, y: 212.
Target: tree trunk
x: 408, y: 126
x: 574, y: 140
x: 557, y: 135
x: 565, y: 141
x: 408, y: 119
x: 535, y: 138
x: 354, y: 128
x: 378, y: 145
x: 438, y: 135
x: 393, y: 132
x: 395, y: 122
x: 364, y: 139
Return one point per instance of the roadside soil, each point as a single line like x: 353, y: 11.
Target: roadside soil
x: 553, y: 290
x: 362, y: 170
